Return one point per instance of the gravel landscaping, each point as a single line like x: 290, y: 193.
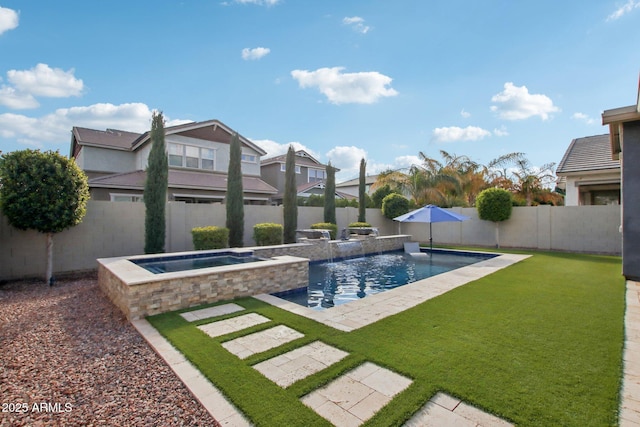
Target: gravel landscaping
x: 69, y: 357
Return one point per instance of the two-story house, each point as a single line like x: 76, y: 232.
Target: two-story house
x: 311, y: 175
x: 198, y: 154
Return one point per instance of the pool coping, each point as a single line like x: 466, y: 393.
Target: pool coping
x: 357, y: 314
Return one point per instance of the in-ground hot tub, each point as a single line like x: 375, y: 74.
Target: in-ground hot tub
x: 151, y: 284
x: 193, y: 261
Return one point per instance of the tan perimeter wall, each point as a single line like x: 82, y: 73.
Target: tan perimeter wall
x: 113, y: 229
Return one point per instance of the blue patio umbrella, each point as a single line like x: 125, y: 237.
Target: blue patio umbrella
x: 431, y: 214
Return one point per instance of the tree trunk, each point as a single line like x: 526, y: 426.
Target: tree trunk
x: 49, y: 259
x: 497, y: 234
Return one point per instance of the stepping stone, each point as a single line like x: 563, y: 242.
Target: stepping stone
x: 258, y: 342
x: 443, y: 410
x: 356, y: 396
x: 219, y: 310
x: 227, y: 326
x: 297, y: 364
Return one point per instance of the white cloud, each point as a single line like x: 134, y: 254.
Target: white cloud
x: 501, y: 132
x: 255, y: 53
x: 516, y: 103
x: 344, y: 88
x: 357, y: 24
x: 624, y: 9
x: 259, y: 2
x: 8, y: 19
x: 465, y: 114
x: 347, y: 159
x: 583, y: 117
x: 55, y: 127
x: 16, y: 100
x: 43, y: 80
x: 454, y: 133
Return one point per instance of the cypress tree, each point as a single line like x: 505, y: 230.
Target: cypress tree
x: 235, y: 195
x: 290, y: 198
x: 330, y: 195
x: 155, y: 188
x: 362, y: 202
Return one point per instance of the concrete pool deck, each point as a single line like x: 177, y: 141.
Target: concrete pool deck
x: 356, y: 396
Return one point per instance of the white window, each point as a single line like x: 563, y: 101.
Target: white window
x: 207, y: 158
x: 249, y: 158
x: 316, y: 175
x: 176, y: 152
x: 190, y: 156
x: 283, y: 168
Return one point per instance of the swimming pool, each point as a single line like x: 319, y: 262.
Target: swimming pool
x: 168, y: 264
x: 337, y: 283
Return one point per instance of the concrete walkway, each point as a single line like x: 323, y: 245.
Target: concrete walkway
x: 350, y: 399
x: 630, y: 401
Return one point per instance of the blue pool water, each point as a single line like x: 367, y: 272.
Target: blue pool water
x: 169, y: 264
x: 336, y: 283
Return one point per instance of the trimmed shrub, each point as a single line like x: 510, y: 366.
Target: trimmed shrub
x: 333, y: 228
x: 359, y: 224
x: 268, y: 233
x: 494, y: 204
x: 394, y: 205
x: 210, y: 237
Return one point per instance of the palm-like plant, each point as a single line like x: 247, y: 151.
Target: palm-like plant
x: 532, y: 180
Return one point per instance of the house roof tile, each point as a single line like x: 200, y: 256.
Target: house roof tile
x: 182, y: 179
x: 590, y: 153
x: 113, y: 138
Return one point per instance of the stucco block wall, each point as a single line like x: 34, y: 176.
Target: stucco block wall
x: 108, y: 229
x: 113, y: 229
x: 590, y: 229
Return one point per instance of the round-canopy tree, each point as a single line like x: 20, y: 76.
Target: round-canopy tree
x: 494, y: 204
x: 42, y: 191
x: 394, y: 205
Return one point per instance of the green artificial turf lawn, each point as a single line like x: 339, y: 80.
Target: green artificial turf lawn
x: 538, y: 343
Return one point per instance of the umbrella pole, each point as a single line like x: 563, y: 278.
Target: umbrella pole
x: 430, y: 240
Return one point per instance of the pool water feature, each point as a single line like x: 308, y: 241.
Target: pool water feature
x: 168, y: 264
x: 336, y: 283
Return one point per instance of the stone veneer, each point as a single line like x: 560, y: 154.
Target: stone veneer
x: 140, y: 293
x: 319, y: 249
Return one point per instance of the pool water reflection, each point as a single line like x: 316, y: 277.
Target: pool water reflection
x: 336, y: 283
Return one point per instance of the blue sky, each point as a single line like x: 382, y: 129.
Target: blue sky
x: 383, y: 80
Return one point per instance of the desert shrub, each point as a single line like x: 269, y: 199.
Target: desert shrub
x: 267, y: 233
x: 210, y: 237
x: 333, y: 228
x: 394, y: 205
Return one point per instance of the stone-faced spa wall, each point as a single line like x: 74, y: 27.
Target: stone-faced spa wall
x: 139, y: 293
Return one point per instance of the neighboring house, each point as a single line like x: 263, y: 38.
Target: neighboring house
x: 308, y: 171
x: 624, y: 134
x: 198, y: 154
x: 588, y: 173
x: 352, y: 186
